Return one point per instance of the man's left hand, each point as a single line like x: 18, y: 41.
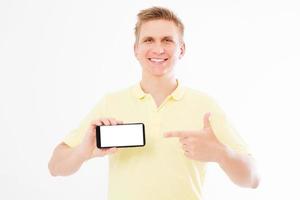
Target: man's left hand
x: 200, y: 145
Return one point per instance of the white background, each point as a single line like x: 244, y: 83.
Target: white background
x: 57, y: 59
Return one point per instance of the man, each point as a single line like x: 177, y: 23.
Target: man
x: 185, y: 128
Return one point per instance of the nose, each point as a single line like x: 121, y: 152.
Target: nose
x: 158, y: 48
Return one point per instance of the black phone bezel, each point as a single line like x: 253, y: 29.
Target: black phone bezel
x: 98, y: 136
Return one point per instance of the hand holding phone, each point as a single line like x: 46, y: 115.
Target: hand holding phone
x: 121, y: 135
x: 88, y: 149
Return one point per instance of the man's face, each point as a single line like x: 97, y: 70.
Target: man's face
x: 158, y: 47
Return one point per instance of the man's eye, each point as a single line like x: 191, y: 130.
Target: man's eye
x: 148, y: 40
x: 168, y: 40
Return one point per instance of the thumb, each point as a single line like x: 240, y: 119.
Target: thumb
x: 206, y: 122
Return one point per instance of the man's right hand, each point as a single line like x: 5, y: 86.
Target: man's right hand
x: 88, y: 149
x: 66, y: 160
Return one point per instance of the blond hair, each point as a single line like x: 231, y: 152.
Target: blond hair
x: 157, y: 13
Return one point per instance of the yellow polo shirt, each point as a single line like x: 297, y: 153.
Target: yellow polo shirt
x: 159, y: 170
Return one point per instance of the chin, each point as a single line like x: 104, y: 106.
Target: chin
x: 158, y: 72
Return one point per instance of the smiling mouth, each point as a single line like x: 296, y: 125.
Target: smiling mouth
x: 157, y: 60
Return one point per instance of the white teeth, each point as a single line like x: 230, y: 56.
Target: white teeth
x: 157, y: 60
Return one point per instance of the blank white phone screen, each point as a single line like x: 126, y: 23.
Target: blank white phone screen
x: 122, y: 135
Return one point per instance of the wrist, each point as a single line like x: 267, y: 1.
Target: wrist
x: 81, y: 154
x: 223, y: 154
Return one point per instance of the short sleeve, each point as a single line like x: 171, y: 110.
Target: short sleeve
x: 75, y: 137
x: 225, y: 132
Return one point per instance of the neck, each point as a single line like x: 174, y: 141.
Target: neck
x: 158, y: 87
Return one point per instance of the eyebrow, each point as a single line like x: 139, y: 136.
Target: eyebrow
x: 163, y: 38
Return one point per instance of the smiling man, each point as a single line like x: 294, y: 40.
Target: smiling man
x: 185, y: 128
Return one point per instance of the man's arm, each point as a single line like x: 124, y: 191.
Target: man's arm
x: 204, y: 146
x: 240, y: 168
x: 66, y: 160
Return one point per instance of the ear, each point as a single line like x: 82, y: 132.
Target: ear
x: 182, y: 50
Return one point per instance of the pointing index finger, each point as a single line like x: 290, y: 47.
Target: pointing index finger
x: 175, y: 134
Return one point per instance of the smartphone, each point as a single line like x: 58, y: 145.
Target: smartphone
x: 121, y: 135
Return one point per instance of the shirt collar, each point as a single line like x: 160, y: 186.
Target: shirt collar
x: 177, y: 94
